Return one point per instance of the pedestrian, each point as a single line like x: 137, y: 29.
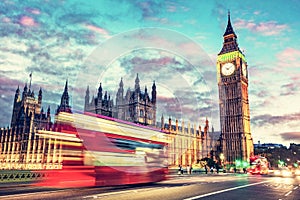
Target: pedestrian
x: 179, y: 169
x: 191, y: 168
x: 188, y: 168
x: 234, y: 169
x: 212, y: 170
x: 205, y: 169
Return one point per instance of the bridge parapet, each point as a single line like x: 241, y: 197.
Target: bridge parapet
x: 20, y: 176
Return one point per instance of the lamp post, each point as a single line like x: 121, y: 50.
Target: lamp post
x: 222, y: 158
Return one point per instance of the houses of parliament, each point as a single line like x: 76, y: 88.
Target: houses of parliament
x: 24, y: 146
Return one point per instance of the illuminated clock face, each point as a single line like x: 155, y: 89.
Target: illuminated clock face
x: 244, y: 69
x: 228, y: 69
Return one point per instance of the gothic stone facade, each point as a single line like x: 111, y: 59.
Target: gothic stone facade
x: 134, y: 106
x: 187, y: 144
x: 236, y: 140
x: 21, y: 146
x: 27, y: 111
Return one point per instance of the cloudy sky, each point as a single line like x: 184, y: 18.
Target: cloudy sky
x: 174, y: 43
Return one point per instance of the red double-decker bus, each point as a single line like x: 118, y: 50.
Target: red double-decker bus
x: 259, y: 165
x: 113, y: 152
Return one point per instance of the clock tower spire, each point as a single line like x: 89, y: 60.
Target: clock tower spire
x: 230, y: 39
x: 229, y: 29
x: 236, y: 140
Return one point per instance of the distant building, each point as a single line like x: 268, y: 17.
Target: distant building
x: 133, y: 106
x: 268, y: 146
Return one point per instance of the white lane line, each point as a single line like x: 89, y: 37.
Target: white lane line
x: 109, y: 193
x: 226, y: 190
x: 295, y: 188
x: 287, y: 194
x: 120, y: 192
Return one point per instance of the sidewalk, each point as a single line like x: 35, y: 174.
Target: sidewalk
x: 14, y: 184
x: 174, y: 173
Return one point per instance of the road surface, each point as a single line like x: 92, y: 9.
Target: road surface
x: 186, y: 187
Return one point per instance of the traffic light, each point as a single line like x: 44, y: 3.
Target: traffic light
x: 245, y: 164
x: 241, y: 163
x: 238, y: 163
x: 280, y: 162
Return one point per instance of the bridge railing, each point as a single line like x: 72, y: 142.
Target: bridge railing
x: 18, y: 176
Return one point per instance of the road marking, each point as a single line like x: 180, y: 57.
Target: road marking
x: 120, y: 192
x: 226, y: 190
x: 287, y: 194
x: 295, y: 188
x: 106, y: 194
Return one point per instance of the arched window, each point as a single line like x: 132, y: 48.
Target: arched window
x: 149, y: 115
x: 141, y: 113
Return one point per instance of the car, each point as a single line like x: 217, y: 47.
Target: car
x: 297, y: 172
x: 283, y: 172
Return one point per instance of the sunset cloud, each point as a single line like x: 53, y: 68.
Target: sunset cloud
x: 99, y: 30
x: 5, y: 19
x: 27, y: 21
x: 270, y: 120
x: 289, y: 89
x: 34, y: 11
x: 289, y: 57
x: 265, y: 28
x: 291, y: 136
x: 149, y: 8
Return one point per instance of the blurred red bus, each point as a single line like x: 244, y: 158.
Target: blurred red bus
x: 113, y: 152
x: 259, y: 165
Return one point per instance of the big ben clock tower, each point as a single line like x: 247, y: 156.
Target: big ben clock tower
x: 236, y: 140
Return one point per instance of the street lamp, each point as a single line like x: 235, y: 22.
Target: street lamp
x: 222, y: 158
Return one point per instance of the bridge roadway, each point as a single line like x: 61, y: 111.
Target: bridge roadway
x: 183, y: 187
